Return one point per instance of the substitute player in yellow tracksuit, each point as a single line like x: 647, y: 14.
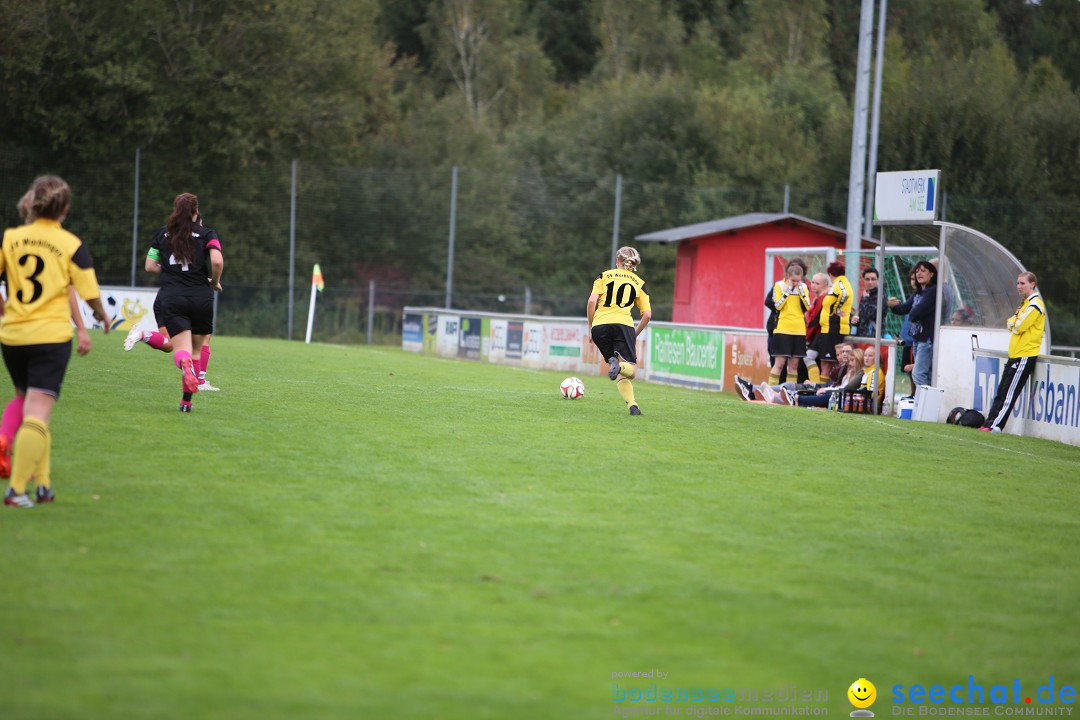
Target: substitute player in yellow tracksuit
x: 611, y: 325
x: 41, y: 260
x: 1027, y: 326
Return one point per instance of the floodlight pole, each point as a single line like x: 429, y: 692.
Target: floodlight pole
x: 856, y: 175
x: 875, y: 121
x: 615, y: 223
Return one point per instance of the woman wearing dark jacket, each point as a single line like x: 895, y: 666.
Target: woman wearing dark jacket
x: 920, y: 309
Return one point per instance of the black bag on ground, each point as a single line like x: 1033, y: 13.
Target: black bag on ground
x: 965, y: 417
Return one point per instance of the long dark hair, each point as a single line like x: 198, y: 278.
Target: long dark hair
x: 933, y: 272
x: 185, y: 206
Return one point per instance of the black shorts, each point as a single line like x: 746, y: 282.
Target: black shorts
x: 157, y: 310
x: 616, y: 339
x: 825, y: 344
x: 187, y: 312
x: 38, y: 367
x: 789, y: 345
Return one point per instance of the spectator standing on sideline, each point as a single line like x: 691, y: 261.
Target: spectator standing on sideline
x: 920, y: 309
x: 866, y: 314
x: 41, y: 261
x: 611, y: 325
x: 1027, y: 326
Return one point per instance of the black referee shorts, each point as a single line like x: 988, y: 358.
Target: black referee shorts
x: 38, y: 367
x: 187, y: 312
x: 616, y: 339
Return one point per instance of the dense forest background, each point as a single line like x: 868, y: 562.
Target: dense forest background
x: 706, y: 108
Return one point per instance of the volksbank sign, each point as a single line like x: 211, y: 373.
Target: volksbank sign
x: 1049, y: 405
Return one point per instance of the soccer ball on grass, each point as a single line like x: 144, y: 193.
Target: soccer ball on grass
x: 572, y: 388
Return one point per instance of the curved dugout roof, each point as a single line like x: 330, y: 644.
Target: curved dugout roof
x: 978, y: 273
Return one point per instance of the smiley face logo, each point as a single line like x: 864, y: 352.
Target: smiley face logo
x: 862, y: 693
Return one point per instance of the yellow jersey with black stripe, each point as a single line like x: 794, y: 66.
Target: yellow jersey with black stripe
x: 838, y: 302
x: 869, y: 384
x: 40, y: 261
x: 791, y: 306
x: 1027, y: 325
x: 619, y: 290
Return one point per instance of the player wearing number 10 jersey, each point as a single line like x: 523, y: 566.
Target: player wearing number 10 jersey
x: 40, y: 261
x: 612, y: 328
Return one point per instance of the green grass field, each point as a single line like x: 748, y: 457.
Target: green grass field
x: 347, y: 532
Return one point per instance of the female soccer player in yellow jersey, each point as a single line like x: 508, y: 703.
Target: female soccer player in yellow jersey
x: 12, y: 417
x: 611, y: 325
x: 41, y: 260
x: 835, y: 316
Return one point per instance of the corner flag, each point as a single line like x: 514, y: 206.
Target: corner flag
x: 316, y: 284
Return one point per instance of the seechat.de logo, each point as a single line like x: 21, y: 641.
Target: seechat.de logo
x: 862, y: 695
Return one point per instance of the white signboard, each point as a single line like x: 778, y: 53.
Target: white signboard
x: 907, y: 196
x: 126, y: 307
x: 446, y: 337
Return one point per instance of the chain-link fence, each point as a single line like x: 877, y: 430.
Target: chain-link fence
x: 522, y: 240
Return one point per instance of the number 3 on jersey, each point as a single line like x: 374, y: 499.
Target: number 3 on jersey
x: 32, y: 278
x: 624, y: 297
x: 183, y: 266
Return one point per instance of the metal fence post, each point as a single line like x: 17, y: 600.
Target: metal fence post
x: 453, y: 228
x: 370, y: 311
x: 292, y: 246
x: 135, y: 222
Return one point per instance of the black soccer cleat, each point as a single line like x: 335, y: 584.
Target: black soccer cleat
x: 635, y: 410
x: 185, y: 407
x: 44, y: 495
x: 613, y: 367
x: 745, y: 388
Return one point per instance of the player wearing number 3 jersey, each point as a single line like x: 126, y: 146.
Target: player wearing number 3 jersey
x: 611, y: 325
x: 41, y: 260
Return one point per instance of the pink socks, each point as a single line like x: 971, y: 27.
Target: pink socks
x: 154, y: 339
x: 13, y: 417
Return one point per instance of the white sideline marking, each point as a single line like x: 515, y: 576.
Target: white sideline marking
x: 972, y: 442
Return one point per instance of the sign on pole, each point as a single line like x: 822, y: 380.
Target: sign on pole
x: 907, y: 196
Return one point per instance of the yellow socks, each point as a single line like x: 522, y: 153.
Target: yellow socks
x: 774, y: 379
x: 31, y: 445
x: 626, y: 389
x: 627, y: 370
x: 44, y: 467
x: 813, y: 374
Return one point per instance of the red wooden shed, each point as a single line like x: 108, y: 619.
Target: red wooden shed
x: 721, y: 265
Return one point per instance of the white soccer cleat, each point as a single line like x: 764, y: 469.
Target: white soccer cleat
x: 204, y: 384
x: 134, y: 335
x: 766, y: 392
